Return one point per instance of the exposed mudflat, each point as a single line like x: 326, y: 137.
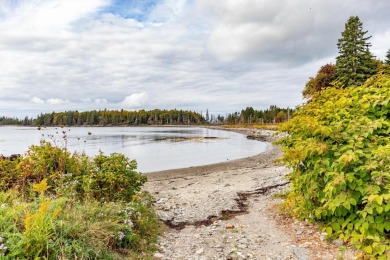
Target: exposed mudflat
x: 229, y: 211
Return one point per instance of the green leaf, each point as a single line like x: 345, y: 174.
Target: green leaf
x: 329, y: 231
x: 367, y: 249
x: 379, y: 200
x: 380, y: 227
x: 387, y: 226
x: 380, y: 249
x: 336, y: 227
x: 347, y: 205
x: 379, y: 219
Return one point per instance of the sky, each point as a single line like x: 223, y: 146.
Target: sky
x: 220, y: 55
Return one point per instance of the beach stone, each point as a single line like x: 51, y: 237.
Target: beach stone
x: 158, y: 256
x: 338, y: 242
x: 301, y: 253
x: 199, y: 251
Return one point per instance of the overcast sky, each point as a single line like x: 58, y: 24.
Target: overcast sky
x: 225, y: 55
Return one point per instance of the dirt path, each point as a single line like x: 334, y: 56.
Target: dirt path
x: 228, y: 211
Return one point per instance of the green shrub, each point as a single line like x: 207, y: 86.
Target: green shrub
x: 338, y: 147
x: 104, y: 177
x: 54, y: 204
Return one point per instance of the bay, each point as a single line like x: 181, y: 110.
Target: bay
x: 154, y: 148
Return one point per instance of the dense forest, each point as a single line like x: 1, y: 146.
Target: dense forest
x: 15, y: 121
x: 249, y: 115
x: 120, y: 117
x: 152, y: 117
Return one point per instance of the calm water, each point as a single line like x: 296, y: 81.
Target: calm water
x: 154, y: 148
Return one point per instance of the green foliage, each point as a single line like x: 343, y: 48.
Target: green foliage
x: 322, y: 80
x: 104, y: 177
x: 114, y: 178
x: 355, y: 63
x: 68, y: 229
x: 338, y: 147
x: 57, y: 205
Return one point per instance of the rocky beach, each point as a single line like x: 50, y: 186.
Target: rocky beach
x: 230, y: 210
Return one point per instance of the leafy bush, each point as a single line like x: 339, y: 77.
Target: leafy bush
x: 54, y: 204
x: 104, y: 177
x: 338, y: 147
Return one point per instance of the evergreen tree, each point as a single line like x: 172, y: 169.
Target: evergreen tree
x: 355, y: 63
x: 387, y: 60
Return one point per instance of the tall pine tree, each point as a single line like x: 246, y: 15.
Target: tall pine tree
x: 355, y: 63
x: 387, y: 60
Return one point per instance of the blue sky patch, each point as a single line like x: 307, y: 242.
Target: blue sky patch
x: 135, y: 9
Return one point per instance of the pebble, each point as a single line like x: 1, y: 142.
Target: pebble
x: 199, y: 251
x: 158, y: 255
x: 301, y: 253
x: 338, y: 242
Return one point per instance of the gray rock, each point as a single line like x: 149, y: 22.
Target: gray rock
x: 161, y: 200
x: 167, y: 251
x: 300, y: 253
x: 338, y: 242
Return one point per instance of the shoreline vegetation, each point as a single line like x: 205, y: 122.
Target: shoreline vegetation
x: 57, y: 205
x: 143, y: 117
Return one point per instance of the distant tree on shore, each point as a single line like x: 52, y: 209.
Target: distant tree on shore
x: 355, y: 63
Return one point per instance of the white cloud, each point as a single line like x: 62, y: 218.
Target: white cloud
x: 101, y: 101
x: 85, y: 100
x: 283, y: 31
x: 221, y: 55
x: 37, y: 100
x: 135, y: 100
x: 47, y: 15
x: 56, y: 101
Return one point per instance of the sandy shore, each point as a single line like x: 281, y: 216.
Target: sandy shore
x: 228, y: 211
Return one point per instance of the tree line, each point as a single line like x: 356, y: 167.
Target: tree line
x: 16, y: 121
x: 120, y: 117
x: 249, y: 115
